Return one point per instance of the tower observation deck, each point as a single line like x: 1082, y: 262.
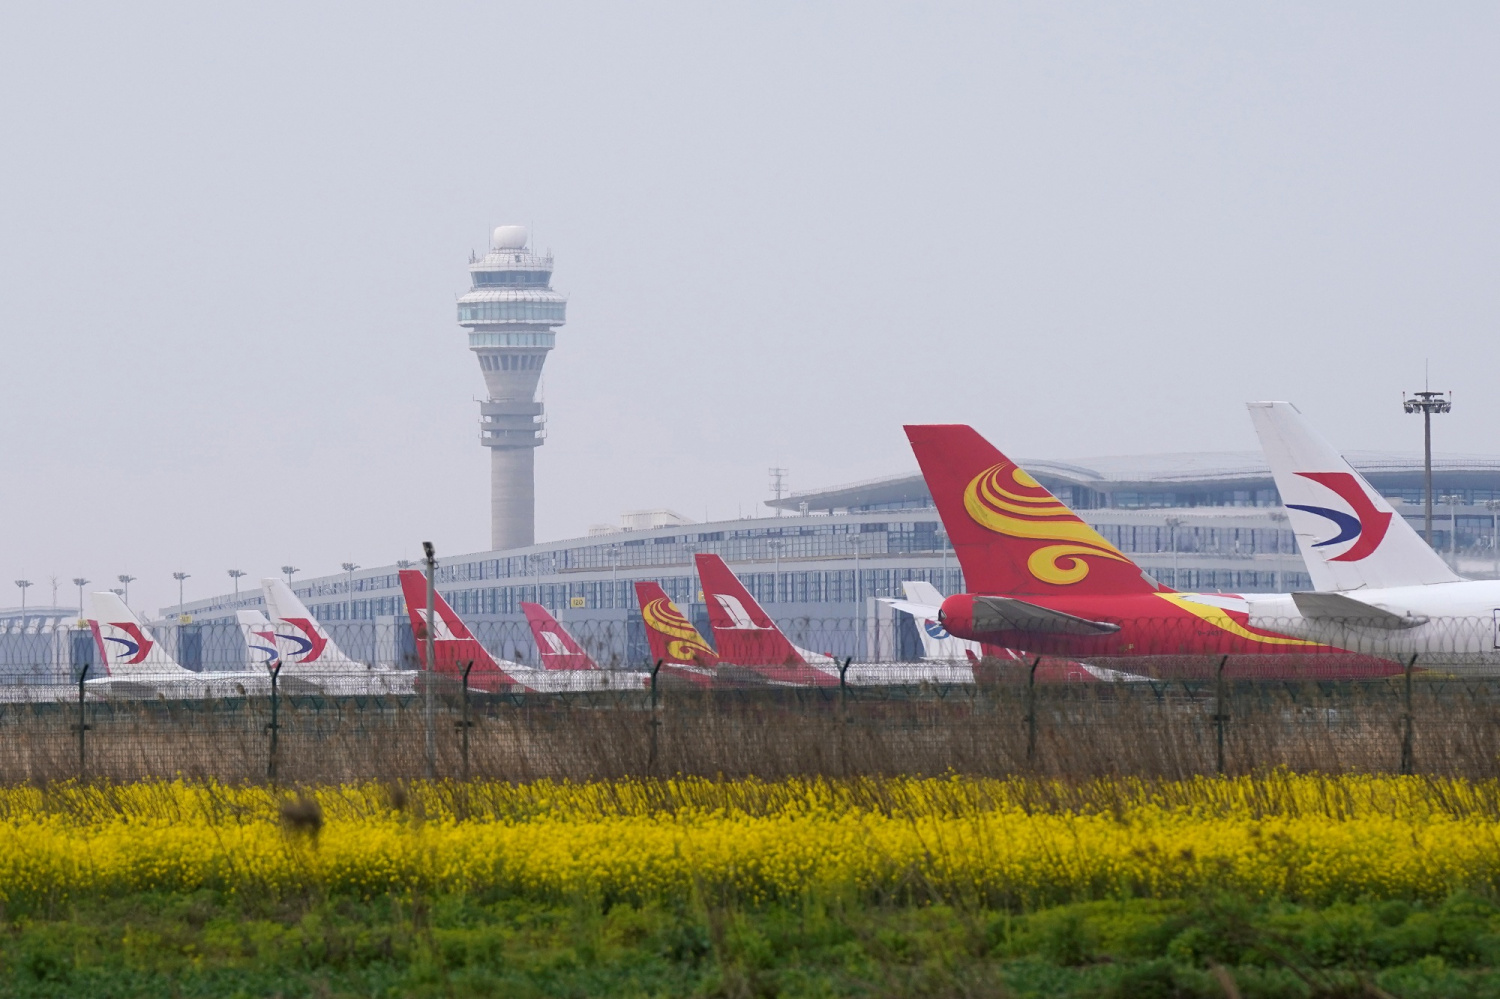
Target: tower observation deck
x: 511, y: 312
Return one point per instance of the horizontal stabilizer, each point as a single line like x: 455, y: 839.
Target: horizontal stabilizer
x: 1338, y: 608
x: 922, y: 612
x: 998, y: 614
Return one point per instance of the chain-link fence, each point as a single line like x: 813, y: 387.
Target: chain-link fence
x: 1215, y: 691
x: 1030, y: 716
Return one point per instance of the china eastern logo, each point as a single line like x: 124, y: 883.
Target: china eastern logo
x: 935, y: 630
x: 1366, y: 526
x: 136, y: 645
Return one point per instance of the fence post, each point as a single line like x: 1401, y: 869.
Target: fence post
x: 655, y: 722
x: 430, y: 636
x: 82, y: 725
x: 466, y: 724
x: 1221, y: 714
x: 1031, y: 710
x: 275, y: 725
x: 844, y: 688
x: 1406, y: 720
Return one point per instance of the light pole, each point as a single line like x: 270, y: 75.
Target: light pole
x: 1427, y: 403
x: 1173, y: 523
x: 349, y: 568
x: 24, y: 585
x: 287, y: 571
x: 181, y: 609
x: 235, y: 575
x: 1494, y: 508
x: 124, y: 591
x: 80, y: 582
x: 776, y: 574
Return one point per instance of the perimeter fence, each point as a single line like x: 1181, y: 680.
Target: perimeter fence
x: 1221, y: 692
x: 1013, y: 722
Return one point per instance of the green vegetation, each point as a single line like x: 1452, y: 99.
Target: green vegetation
x: 209, y: 945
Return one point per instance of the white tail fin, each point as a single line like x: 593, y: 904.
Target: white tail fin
x: 936, y: 642
x: 260, y: 638
x: 300, y: 639
x: 126, y: 647
x: 1350, y: 536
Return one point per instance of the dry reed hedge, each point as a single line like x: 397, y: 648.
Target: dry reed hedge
x: 1159, y: 730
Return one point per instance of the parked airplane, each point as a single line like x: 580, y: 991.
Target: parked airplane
x: 312, y: 662
x: 557, y: 648
x: 924, y: 603
x: 683, y: 653
x: 1377, y: 585
x: 454, y: 645
x: 1045, y: 582
x: 747, y: 637
x: 133, y: 664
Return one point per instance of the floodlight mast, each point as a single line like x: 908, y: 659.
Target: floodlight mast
x: 1427, y: 402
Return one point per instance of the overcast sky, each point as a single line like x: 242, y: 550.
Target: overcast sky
x: 231, y: 239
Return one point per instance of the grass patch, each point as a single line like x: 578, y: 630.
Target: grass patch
x: 205, y: 944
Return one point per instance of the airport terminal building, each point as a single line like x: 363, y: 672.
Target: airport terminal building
x: 820, y: 560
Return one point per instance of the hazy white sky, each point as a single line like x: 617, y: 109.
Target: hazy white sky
x: 231, y: 239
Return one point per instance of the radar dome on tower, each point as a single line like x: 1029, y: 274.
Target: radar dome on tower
x: 508, y: 237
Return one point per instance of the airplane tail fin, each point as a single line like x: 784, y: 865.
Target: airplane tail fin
x: 1011, y: 535
x: 672, y: 636
x: 126, y: 647
x: 302, y: 641
x: 743, y: 632
x: 557, y: 648
x: 260, y: 638
x: 1349, y: 535
x: 453, y: 644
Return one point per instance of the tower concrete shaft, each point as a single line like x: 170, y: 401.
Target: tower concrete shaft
x: 511, y: 312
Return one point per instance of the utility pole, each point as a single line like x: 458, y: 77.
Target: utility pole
x: 778, y: 482
x: 125, y: 581
x: 181, y: 607
x: 1427, y: 402
x: 287, y: 571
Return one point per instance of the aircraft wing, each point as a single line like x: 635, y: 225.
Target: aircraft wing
x: 993, y: 614
x: 1341, y: 609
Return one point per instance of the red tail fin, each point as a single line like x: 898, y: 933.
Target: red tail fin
x: 557, y: 648
x: 452, y: 643
x: 673, y: 638
x: 1011, y: 535
x: 744, y: 633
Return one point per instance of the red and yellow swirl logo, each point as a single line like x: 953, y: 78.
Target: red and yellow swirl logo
x: 684, y: 644
x: 1006, y: 500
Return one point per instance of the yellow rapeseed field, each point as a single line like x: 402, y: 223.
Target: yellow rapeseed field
x: 1019, y: 843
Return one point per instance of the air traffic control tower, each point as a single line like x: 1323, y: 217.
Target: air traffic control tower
x: 510, y: 312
